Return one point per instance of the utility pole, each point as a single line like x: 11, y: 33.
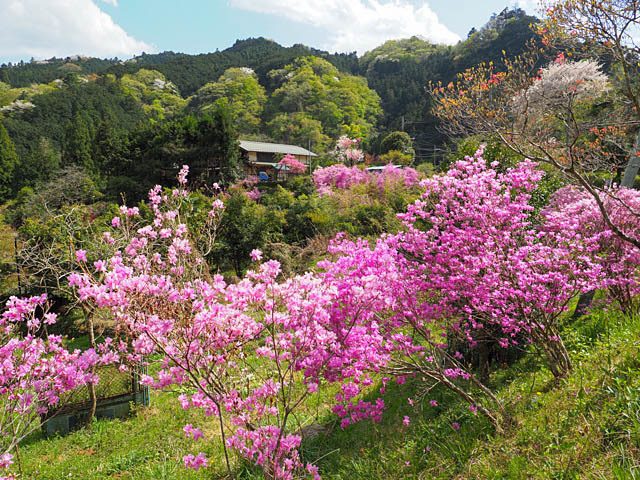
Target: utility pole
x: 632, y: 166
x: 15, y: 256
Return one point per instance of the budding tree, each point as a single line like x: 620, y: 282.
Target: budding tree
x: 608, y: 27
x: 563, y: 114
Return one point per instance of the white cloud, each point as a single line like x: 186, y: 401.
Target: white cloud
x: 532, y: 7
x: 111, y: 2
x: 358, y: 24
x: 47, y: 28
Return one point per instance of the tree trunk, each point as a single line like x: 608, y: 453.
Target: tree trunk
x: 92, y: 388
x: 584, y: 302
x: 497, y: 419
x: 557, y: 357
x: 483, y: 360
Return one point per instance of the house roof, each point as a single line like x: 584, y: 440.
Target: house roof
x: 264, y: 147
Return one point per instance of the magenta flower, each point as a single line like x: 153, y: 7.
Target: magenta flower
x: 196, y: 462
x: 292, y: 163
x: 191, y: 432
x: 6, y: 460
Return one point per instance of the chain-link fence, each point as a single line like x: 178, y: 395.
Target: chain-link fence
x: 116, y: 392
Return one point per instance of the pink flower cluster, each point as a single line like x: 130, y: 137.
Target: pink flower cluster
x: 248, y: 185
x: 574, y: 213
x: 299, y: 330
x: 292, y: 163
x: 481, y: 262
x: 339, y: 176
x: 347, y: 151
x: 35, y: 372
x: 469, y: 263
x: 342, y: 177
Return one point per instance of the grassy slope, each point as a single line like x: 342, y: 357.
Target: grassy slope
x: 8, y: 279
x: 587, y: 426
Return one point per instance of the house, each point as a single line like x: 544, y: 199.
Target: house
x: 261, y: 158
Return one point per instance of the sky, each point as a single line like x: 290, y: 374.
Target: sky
x: 125, y: 28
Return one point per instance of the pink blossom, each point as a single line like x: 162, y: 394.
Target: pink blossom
x: 6, y: 460
x: 191, y: 432
x: 182, y: 175
x: 291, y: 163
x: 35, y: 372
x: 254, y: 194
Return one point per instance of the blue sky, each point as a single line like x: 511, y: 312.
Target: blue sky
x: 123, y: 28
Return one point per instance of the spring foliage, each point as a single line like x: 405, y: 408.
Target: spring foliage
x: 468, y: 263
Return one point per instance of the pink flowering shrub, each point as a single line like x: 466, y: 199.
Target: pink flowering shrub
x: 394, y: 177
x: 249, y: 354
x: 340, y: 177
x: 574, y: 214
x: 468, y: 262
x: 254, y: 194
x: 293, y: 164
x: 345, y: 174
x: 485, y: 263
x: 35, y: 372
x: 249, y: 187
x: 347, y: 151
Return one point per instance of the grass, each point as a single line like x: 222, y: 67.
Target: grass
x: 8, y: 277
x: 584, y: 427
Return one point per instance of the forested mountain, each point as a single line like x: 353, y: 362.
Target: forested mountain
x: 24, y: 74
x: 190, y: 72
x: 101, y: 114
x: 399, y: 71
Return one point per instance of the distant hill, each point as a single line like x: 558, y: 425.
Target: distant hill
x: 415, y: 48
x: 76, y: 109
x: 187, y: 72
x: 399, y: 71
x: 190, y: 72
x: 23, y: 74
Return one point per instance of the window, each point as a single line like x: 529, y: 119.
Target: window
x: 265, y: 157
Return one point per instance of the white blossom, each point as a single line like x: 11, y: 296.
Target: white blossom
x: 561, y: 84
